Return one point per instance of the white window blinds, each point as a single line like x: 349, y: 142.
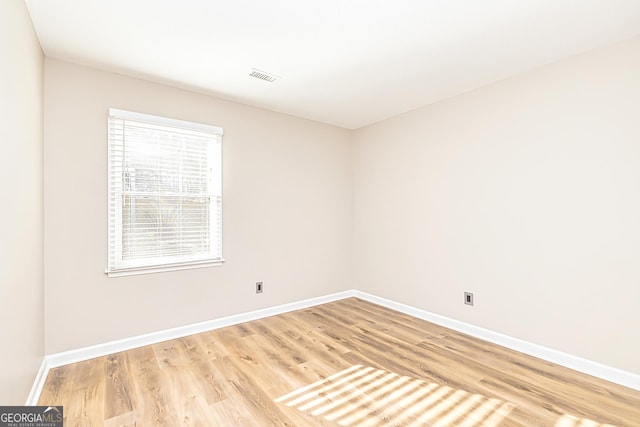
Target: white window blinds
x: 165, y: 194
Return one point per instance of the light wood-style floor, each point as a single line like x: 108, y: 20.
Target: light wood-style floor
x: 346, y: 363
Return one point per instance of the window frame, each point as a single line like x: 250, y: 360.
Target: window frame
x: 116, y: 266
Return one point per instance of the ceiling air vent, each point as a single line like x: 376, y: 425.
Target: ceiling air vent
x: 263, y: 75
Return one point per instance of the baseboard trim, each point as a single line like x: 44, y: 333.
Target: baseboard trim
x: 38, y: 383
x: 608, y: 373
x: 586, y: 366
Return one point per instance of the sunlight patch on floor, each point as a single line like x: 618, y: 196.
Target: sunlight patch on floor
x: 363, y: 396
x: 571, y: 421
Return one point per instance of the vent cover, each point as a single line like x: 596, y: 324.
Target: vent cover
x: 263, y: 75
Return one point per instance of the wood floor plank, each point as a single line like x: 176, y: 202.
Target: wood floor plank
x: 154, y: 404
x: 347, y: 363
x: 57, y: 384
x: 89, y: 395
x: 183, y: 383
x: 119, y: 387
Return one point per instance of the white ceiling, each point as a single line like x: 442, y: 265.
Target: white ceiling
x: 344, y: 62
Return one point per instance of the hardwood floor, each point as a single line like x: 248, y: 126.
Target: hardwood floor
x: 346, y: 363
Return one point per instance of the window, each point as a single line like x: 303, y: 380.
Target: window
x: 165, y: 194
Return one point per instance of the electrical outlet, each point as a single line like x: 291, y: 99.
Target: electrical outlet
x: 468, y: 298
x: 259, y: 287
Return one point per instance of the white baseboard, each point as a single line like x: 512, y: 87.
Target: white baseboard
x: 609, y: 373
x: 596, y: 369
x: 38, y: 383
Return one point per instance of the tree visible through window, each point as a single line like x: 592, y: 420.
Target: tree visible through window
x: 165, y: 198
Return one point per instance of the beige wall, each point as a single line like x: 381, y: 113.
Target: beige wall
x: 527, y: 193
x: 287, y: 212
x: 21, y: 215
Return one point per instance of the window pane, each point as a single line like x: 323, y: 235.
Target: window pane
x: 165, y: 191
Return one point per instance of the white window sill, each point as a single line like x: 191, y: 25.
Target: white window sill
x: 132, y: 271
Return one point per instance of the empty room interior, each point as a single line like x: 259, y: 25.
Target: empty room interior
x: 336, y: 213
